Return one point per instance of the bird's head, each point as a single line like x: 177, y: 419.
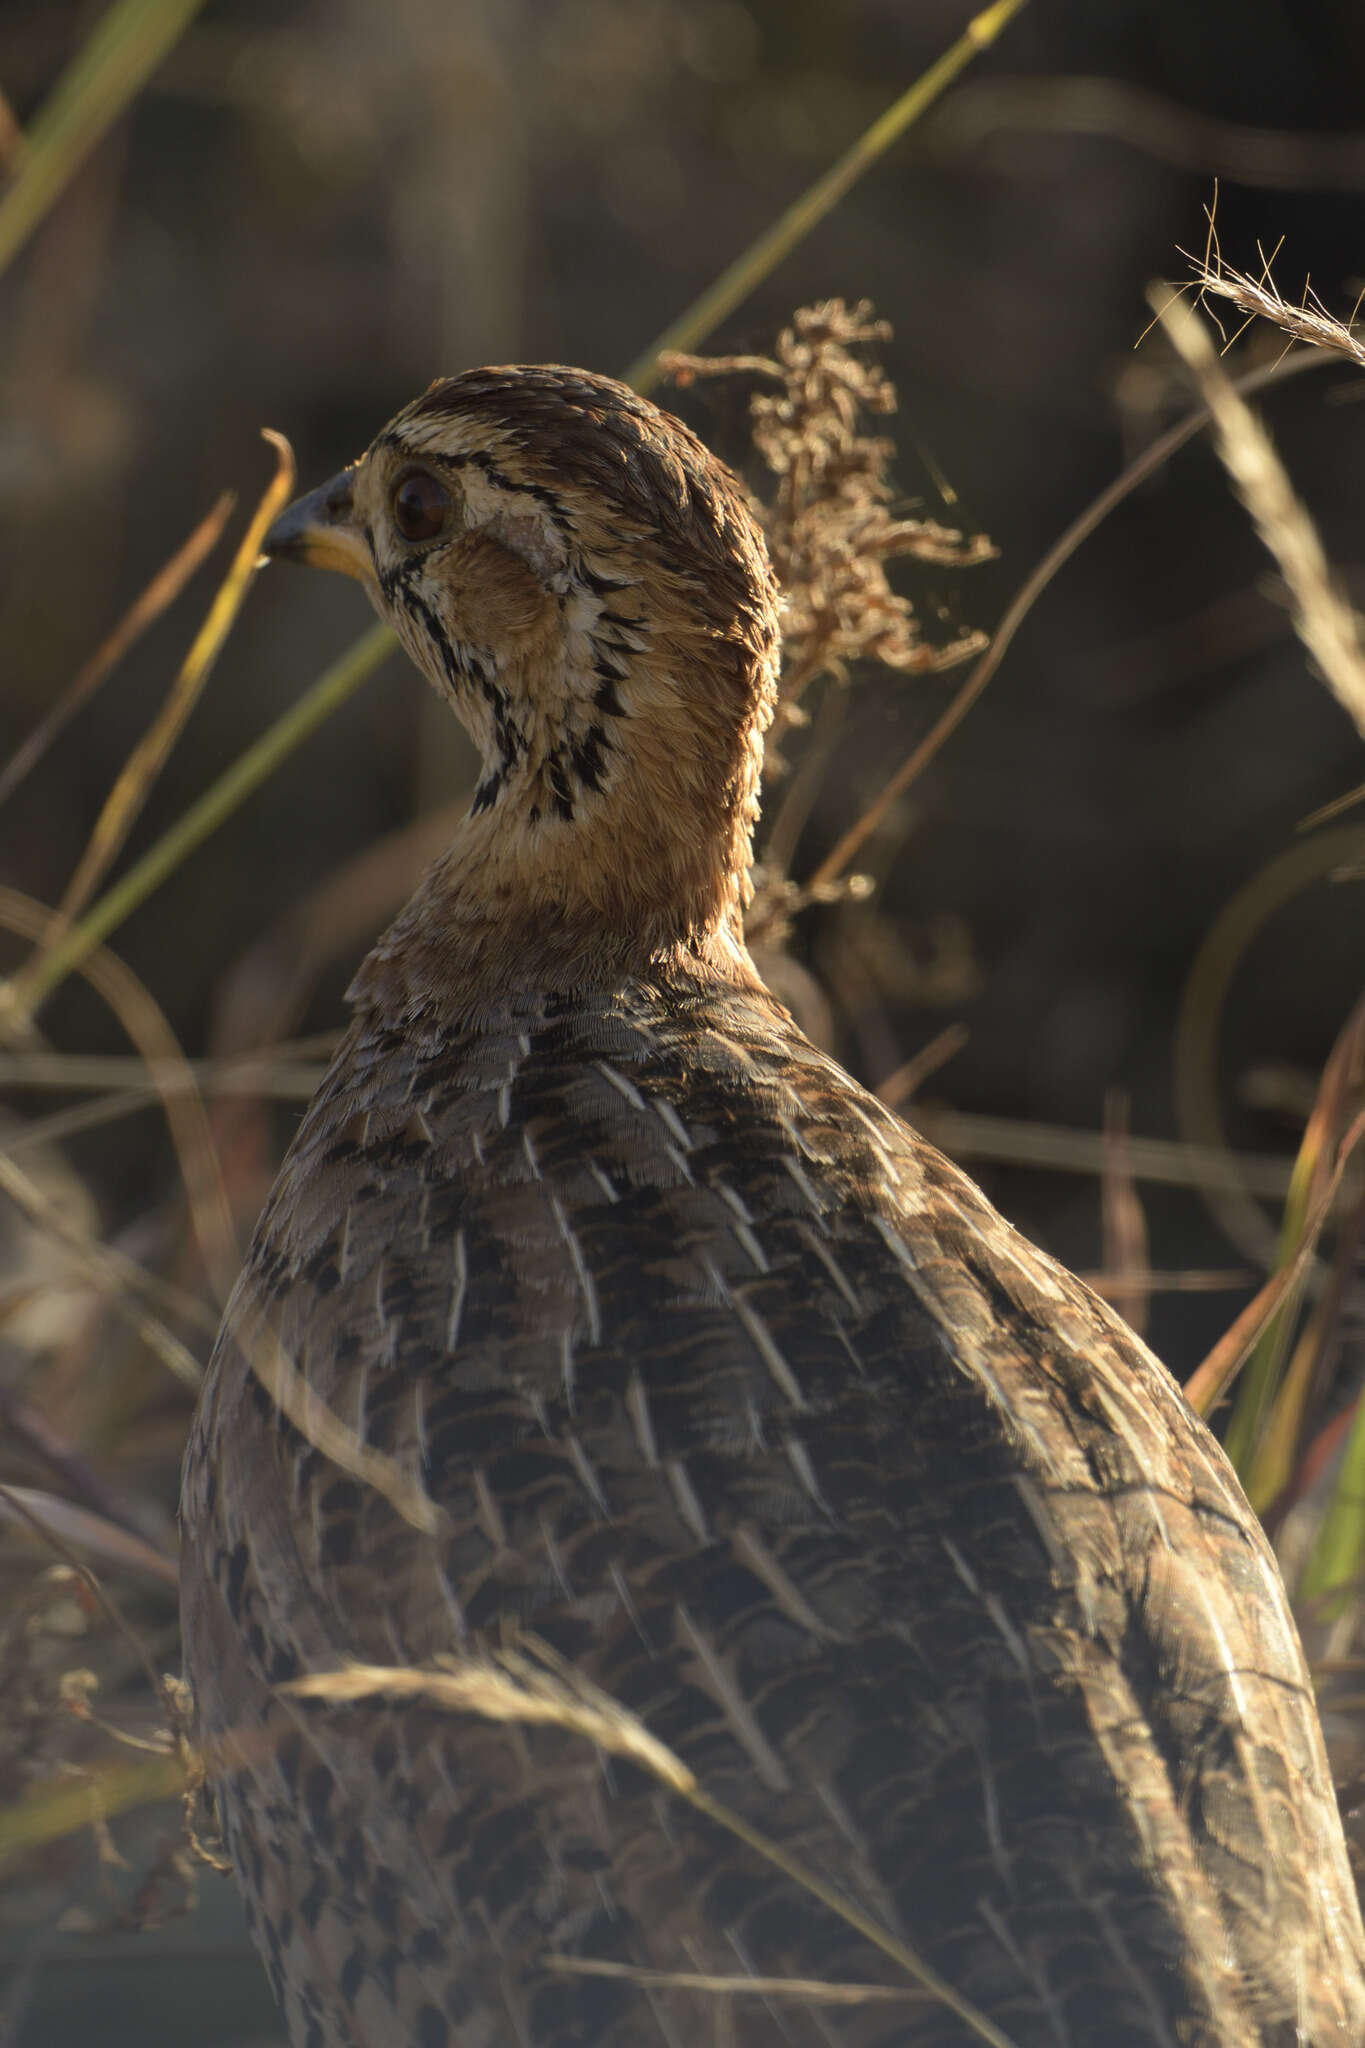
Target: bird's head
x: 588, y: 588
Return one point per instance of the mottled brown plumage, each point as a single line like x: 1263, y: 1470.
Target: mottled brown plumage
x: 729, y: 1389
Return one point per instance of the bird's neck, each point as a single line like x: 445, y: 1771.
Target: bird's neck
x: 647, y: 878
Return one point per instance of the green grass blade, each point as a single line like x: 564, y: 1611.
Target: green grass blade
x: 748, y: 271
x: 105, y: 75
x: 1337, y: 1558
x: 232, y: 788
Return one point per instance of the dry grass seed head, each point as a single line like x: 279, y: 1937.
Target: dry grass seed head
x: 829, y: 525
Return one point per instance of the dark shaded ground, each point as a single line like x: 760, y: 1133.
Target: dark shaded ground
x: 318, y: 207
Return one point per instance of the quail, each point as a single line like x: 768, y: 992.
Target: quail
x: 725, y: 1391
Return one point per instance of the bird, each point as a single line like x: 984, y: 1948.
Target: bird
x: 602, y: 1334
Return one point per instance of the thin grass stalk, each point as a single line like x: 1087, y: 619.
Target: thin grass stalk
x: 847, y: 849
x: 161, y: 592
x: 169, y: 1077
x: 515, y: 1688
x: 132, y: 785
x: 102, y: 79
x: 217, y: 804
x: 112, y: 1275
x: 1268, y: 1475
x: 743, y: 277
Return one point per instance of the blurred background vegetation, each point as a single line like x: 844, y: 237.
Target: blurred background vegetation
x: 314, y: 207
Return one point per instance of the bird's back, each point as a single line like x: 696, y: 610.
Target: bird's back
x: 736, y: 1396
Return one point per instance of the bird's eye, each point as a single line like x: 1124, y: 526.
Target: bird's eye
x: 421, y: 505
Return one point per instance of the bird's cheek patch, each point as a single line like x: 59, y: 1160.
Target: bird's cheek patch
x: 494, y: 599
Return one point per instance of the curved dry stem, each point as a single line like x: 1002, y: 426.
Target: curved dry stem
x: 168, y: 1072
x: 300, y: 1403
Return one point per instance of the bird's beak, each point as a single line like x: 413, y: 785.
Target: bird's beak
x: 322, y: 530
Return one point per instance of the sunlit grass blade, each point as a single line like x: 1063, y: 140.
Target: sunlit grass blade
x: 1212, y: 1377
x: 102, y: 79
x: 1209, y: 1381
x: 217, y: 804
x: 742, y: 277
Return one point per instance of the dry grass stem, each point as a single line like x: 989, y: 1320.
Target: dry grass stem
x: 508, y: 1685
x: 1145, y: 465
x: 132, y: 785
x: 100, y: 82
x: 801, y: 1990
x: 1323, y: 619
x: 63, y: 1522
x: 1057, y: 1148
x: 285, y: 1072
x: 159, y: 594
x: 533, y: 1685
x: 64, y: 1805
x: 1117, y: 1286
x: 908, y: 1078
x: 208, y: 812
x: 21, y: 1508
x: 1127, y: 1245
x: 1008, y: 1141
x: 983, y: 110
x: 321, y: 1427
x: 164, y: 1068
x: 735, y: 283
x: 114, y: 1276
